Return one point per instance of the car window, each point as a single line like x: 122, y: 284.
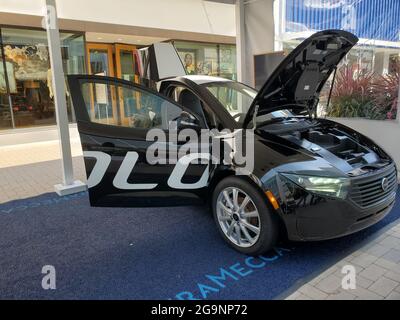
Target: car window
x: 233, y: 97
x: 189, y: 100
x: 237, y: 98
x: 127, y: 106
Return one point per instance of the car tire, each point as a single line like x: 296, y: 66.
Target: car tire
x: 268, y: 228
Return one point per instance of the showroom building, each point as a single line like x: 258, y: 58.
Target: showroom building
x: 203, y: 32
x: 109, y: 47
x: 215, y: 37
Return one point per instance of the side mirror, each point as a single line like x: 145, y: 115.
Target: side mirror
x: 188, y: 121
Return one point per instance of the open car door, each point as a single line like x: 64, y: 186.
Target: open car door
x: 120, y: 124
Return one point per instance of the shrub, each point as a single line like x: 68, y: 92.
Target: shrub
x: 364, y: 94
x: 386, y: 93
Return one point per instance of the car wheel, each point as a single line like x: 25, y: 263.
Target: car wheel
x: 243, y: 216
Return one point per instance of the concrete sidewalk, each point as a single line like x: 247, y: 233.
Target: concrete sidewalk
x: 29, y: 170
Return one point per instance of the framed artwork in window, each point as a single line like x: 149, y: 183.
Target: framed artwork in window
x: 189, y: 60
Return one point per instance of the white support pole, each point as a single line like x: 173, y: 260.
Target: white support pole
x: 240, y: 41
x: 68, y: 185
x: 279, y: 22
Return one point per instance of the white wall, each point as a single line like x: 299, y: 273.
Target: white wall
x: 183, y: 15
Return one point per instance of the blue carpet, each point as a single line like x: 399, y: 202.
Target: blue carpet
x: 146, y: 253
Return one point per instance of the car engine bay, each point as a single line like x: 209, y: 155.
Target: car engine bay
x: 320, y: 138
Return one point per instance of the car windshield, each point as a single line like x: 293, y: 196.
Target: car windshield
x: 237, y: 99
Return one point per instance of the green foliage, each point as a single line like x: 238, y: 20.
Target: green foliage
x: 364, y: 94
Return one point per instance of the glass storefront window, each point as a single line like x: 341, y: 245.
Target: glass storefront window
x: 198, y: 58
x: 126, y: 65
x: 227, y: 64
x: 99, y: 62
x: 208, y: 59
x: 29, y: 74
x: 126, y: 62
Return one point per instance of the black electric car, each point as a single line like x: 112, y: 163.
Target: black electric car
x: 313, y: 178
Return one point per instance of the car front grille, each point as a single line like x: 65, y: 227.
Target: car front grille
x: 368, y: 191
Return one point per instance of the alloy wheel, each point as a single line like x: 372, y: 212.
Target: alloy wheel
x: 238, y: 217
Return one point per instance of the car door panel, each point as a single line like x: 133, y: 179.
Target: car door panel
x: 118, y: 172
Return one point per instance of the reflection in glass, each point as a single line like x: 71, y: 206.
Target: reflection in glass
x: 135, y: 108
x: 208, y: 59
x: 237, y: 99
x: 227, y: 64
x: 99, y: 63
x: 30, y: 76
x: 5, y: 114
x: 127, y: 65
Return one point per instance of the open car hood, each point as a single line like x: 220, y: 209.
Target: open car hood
x: 298, y: 80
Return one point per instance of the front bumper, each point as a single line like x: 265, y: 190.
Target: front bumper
x: 309, y: 217
x: 336, y: 218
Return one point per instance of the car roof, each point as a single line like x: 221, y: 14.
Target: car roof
x: 201, y: 79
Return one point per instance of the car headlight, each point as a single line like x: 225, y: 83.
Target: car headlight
x: 333, y: 187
